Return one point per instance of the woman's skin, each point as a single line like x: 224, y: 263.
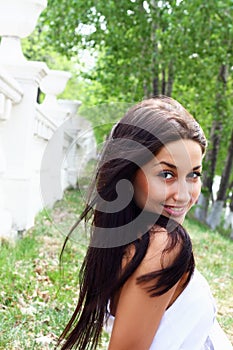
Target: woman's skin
x: 169, y: 184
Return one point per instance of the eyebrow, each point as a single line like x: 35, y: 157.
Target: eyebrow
x: 173, y: 166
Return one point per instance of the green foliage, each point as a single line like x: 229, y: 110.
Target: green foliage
x: 135, y: 41
x: 103, y: 117
x: 132, y: 36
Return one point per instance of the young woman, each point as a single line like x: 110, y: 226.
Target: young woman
x: 139, y: 270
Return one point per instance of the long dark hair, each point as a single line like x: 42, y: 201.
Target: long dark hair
x: 117, y: 222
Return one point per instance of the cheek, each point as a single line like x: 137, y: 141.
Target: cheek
x: 196, y: 192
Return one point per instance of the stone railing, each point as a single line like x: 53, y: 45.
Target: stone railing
x: 10, y: 94
x: 44, y: 127
x: 41, y: 151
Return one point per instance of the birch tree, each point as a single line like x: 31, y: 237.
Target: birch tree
x: 214, y: 217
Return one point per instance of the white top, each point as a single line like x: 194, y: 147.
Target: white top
x: 190, y: 322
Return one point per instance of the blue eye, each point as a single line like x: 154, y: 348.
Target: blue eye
x: 166, y: 174
x: 194, y: 175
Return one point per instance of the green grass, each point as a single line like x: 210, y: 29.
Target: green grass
x: 37, y: 299
x: 214, y: 258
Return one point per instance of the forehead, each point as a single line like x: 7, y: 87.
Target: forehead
x: 180, y: 153
x: 183, y: 154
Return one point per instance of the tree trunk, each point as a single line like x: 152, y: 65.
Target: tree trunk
x: 214, y: 217
x: 230, y: 216
x: 222, y: 192
x: 163, y: 81
x: 228, y: 224
x: 212, y: 153
x: 201, y: 208
x: 156, y: 85
x: 170, y: 79
x: 208, y: 179
x: 146, y: 91
x: 231, y: 199
x: 155, y: 62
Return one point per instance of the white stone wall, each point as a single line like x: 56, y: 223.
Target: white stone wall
x: 40, y: 148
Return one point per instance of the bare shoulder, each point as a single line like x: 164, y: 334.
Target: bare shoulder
x: 137, y: 314
x: 158, y: 256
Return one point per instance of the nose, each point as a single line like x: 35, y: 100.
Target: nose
x: 182, y: 191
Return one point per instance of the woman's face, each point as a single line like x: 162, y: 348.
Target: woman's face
x: 170, y: 184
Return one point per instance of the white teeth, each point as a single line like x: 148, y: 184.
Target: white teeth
x: 176, y: 209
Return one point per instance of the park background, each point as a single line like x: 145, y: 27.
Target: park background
x: 118, y: 53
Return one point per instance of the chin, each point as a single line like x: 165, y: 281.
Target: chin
x: 179, y: 219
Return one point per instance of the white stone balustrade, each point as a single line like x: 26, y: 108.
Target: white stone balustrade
x: 52, y: 85
x: 44, y: 127
x: 72, y: 131
x: 40, y: 148
x: 56, y: 179
x: 10, y: 94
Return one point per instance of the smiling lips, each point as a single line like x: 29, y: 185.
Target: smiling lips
x: 175, y: 211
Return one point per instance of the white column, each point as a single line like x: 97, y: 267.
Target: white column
x: 17, y: 20
x: 16, y: 137
x: 10, y: 94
